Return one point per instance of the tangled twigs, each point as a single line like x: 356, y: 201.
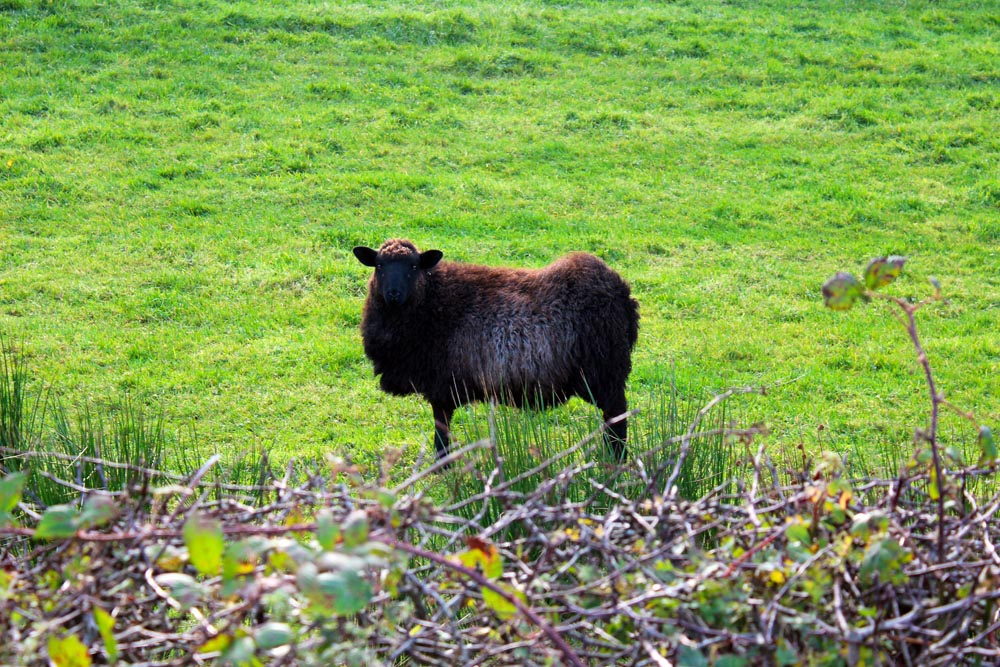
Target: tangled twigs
x: 778, y: 573
x: 568, y: 653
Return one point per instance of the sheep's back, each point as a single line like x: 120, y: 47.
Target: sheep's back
x: 526, y: 329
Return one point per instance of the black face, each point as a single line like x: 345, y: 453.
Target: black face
x: 397, y: 275
x: 396, y: 278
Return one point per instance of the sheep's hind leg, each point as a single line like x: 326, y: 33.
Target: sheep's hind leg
x: 442, y: 425
x: 616, y: 434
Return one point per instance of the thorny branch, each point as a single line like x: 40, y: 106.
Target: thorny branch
x: 621, y: 581
x: 937, y: 399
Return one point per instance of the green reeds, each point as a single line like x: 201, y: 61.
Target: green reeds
x: 119, y: 446
x: 17, y: 416
x: 563, y: 449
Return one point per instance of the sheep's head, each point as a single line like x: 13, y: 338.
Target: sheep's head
x: 399, y: 268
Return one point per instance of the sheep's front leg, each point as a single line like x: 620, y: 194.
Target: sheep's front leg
x: 442, y: 426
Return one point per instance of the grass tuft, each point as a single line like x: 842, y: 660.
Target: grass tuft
x: 527, y: 447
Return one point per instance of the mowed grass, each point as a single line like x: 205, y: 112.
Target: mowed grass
x: 181, y: 185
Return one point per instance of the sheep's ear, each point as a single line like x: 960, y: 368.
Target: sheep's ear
x: 430, y: 258
x: 365, y: 255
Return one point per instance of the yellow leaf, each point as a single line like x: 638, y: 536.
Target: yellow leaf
x: 777, y: 577
x: 482, y: 555
x: 295, y: 517
x: 216, y: 644
x: 171, y: 559
x: 815, y: 494
x: 245, y: 567
x: 845, y: 497
x: 934, y: 490
x: 68, y: 652
x: 281, y: 561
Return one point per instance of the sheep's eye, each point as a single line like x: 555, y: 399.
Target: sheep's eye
x: 378, y: 267
x: 413, y: 268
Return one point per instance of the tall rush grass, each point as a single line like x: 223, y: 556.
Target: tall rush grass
x: 563, y: 448
x: 121, y: 446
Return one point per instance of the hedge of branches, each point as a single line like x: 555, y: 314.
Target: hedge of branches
x: 317, y: 567
x: 321, y: 571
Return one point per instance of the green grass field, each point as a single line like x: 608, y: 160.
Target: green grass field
x: 181, y: 184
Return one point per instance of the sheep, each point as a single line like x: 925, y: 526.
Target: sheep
x: 457, y: 333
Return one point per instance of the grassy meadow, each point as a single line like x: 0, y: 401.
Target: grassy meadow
x: 181, y: 184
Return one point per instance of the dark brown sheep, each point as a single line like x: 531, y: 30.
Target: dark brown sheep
x: 456, y: 333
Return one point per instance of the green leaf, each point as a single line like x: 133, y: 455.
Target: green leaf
x: 59, y: 521
x: 240, y: 652
x: 97, y: 511
x: 866, y: 523
x: 348, y: 590
x: 842, y: 291
x: 273, y: 635
x: 474, y: 559
x: 68, y: 652
x: 240, y: 558
x: 307, y: 579
x: 883, y: 270
x: 988, y: 446
x: 500, y: 605
x: 392, y: 579
x: 355, y: 530
x: 798, y: 532
x: 688, y: 656
x: 339, y: 593
x: 886, y: 559
x: 11, y: 488
x: 954, y: 456
x: 732, y: 661
x: 205, y: 542
x: 183, y: 588
x: 327, y: 530
x: 106, y: 625
x: 332, y: 561
x: 785, y: 655
x: 387, y: 499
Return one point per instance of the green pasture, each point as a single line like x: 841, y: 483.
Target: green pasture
x: 181, y: 184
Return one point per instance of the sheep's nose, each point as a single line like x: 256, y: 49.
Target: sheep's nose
x: 393, y: 296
